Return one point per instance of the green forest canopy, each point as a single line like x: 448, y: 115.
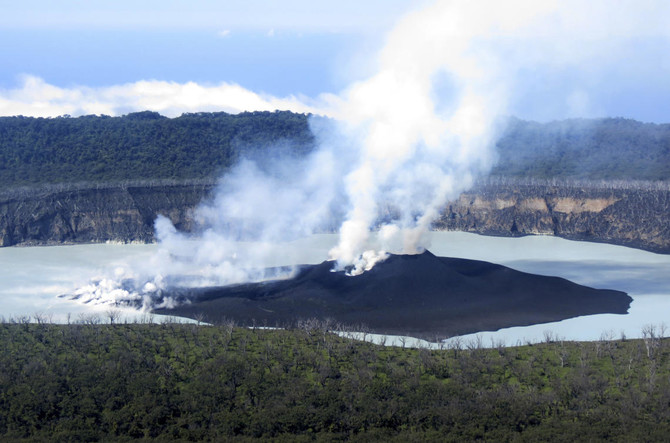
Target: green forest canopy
x: 142, y: 145
x: 92, y: 382
x: 146, y: 145
x: 610, y: 148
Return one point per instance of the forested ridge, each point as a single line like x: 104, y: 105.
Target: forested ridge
x: 142, y: 145
x: 115, y: 382
x: 599, y: 149
x: 146, y: 145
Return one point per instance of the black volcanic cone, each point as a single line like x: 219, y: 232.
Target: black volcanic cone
x: 417, y: 295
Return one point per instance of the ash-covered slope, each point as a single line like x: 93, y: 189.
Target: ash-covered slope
x: 418, y: 295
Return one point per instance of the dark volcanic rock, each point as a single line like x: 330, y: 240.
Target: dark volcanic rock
x: 92, y: 214
x: 626, y: 214
x: 418, y: 295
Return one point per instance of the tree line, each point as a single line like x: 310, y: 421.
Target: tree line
x: 143, y: 145
x: 146, y: 145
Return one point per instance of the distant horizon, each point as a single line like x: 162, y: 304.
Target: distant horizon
x: 87, y: 58
x: 511, y: 117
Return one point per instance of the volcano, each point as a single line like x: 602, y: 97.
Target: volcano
x: 419, y: 295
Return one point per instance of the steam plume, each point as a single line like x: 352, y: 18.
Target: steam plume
x: 402, y: 142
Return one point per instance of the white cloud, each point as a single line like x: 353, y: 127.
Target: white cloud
x: 37, y: 98
x: 224, y: 33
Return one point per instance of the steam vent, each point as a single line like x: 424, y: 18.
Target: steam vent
x: 417, y: 295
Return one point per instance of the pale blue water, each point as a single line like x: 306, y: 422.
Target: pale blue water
x: 32, y: 278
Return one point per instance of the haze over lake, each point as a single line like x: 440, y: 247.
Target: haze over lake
x: 32, y: 278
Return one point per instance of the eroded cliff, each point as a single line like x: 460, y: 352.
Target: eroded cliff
x: 627, y: 214
x: 620, y: 213
x: 87, y: 214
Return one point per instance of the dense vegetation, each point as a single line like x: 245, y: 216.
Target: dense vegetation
x: 146, y: 145
x: 88, y: 382
x: 611, y: 148
x: 142, y: 145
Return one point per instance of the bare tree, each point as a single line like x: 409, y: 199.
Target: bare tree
x: 22, y: 319
x: 549, y: 336
x: 650, y: 339
x: 562, y: 353
x: 456, y: 344
x: 228, y: 325
x: 200, y: 318
x: 40, y: 318
x: 475, y: 343
x: 113, y: 315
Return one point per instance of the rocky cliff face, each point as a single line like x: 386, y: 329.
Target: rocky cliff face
x: 95, y: 214
x: 626, y: 215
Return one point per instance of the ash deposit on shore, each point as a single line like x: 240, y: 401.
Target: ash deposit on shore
x: 419, y: 295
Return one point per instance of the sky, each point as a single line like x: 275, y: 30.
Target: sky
x: 100, y: 57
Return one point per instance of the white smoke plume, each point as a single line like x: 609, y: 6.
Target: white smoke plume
x: 402, y: 142
x: 419, y: 149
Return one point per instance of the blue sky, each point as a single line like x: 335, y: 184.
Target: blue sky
x: 290, y: 50
x: 280, y: 65
x: 278, y: 47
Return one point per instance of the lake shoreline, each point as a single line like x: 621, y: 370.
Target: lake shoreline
x: 34, y: 277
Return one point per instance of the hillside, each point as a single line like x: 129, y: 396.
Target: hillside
x: 142, y: 145
x: 175, y: 382
x: 96, y: 212
x: 633, y: 214
x: 146, y: 145
x: 93, y: 179
x: 607, y: 149
x: 625, y: 213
